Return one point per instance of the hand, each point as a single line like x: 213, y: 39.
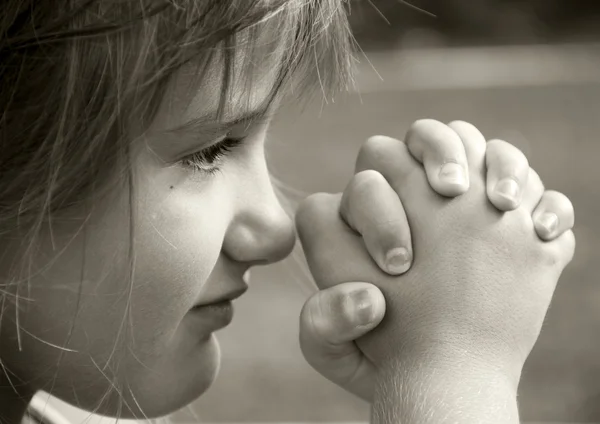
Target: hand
x: 441, y: 150
x: 328, y: 328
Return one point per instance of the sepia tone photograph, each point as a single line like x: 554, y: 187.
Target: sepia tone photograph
x: 299, y: 211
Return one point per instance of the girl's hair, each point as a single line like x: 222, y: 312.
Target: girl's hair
x: 74, y: 76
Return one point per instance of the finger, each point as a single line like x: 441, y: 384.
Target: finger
x: 566, y: 242
x: 558, y: 254
x: 533, y: 192
x: 391, y: 158
x: 330, y: 321
x: 388, y: 156
x: 337, y: 315
x: 442, y: 154
x: 553, y: 215
x: 319, y: 215
x: 372, y: 208
x: 507, y: 173
x: 474, y: 143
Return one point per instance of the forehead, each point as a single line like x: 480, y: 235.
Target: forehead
x: 197, y: 91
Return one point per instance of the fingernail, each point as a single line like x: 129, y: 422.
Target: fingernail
x: 549, y: 221
x: 453, y: 173
x: 398, y: 260
x: 362, y: 306
x: 508, y: 188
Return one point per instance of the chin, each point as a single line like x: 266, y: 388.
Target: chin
x: 175, y: 383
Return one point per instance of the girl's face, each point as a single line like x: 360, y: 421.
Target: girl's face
x: 85, y: 330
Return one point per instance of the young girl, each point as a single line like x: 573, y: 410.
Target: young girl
x: 135, y: 195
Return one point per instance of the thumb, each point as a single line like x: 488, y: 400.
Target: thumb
x: 330, y: 321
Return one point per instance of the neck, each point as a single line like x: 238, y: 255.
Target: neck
x: 12, y: 405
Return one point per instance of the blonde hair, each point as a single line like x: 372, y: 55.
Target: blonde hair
x: 75, y: 74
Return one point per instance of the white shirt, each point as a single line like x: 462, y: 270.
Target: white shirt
x: 44, y: 412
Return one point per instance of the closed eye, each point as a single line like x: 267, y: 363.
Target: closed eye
x: 210, y: 159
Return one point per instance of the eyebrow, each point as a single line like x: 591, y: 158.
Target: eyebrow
x: 208, y: 125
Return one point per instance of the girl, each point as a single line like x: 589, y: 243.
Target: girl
x: 135, y: 193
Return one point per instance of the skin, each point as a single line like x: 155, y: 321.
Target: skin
x: 460, y: 325
x: 195, y: 237
x: 372, y: 208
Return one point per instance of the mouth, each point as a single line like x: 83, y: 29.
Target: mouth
x: 216, y: 311
x: 208, y: 318
x: 226, y: 297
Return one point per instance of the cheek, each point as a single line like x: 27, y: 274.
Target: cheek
x: 84, y: 301
x: 179, y: 244
x: 86, y: 275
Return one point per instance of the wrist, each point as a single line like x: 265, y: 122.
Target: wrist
x: 439, y: 389
x: 451, y: 361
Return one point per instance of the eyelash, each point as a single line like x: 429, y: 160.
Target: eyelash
x: 198, y: 161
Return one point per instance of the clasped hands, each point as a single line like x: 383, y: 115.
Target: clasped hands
x: 443, y: 245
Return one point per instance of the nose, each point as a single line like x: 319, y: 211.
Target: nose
x: 261, y: 232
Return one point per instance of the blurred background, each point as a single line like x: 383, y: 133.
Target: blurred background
x: 389, y: 24
x: 527, y: 71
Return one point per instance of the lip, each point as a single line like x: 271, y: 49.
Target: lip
x: 225, y: 297
x: 208, y: 318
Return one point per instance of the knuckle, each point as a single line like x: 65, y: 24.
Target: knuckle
x: 564, y: 247
x: 460, y: 122
x: 375, y: 146
x: 523, y: 161
x: 498, y: 152
x: 315, y: 200
x: 518, y: 162
x: 559, y: 252
x: 366, y: 179
x: 513, y: 157
x: 471, y: 137
x: 557, y: 196
x: 561, y: 201
x: 495, y: 143
x: 423, y: 126
x: 373, y: 151
x: 430, y: 134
